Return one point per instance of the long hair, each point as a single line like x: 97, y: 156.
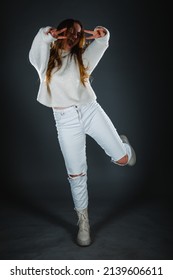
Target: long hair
x: 55, y: 52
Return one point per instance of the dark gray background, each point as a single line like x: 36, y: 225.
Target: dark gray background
x: 132, y: 83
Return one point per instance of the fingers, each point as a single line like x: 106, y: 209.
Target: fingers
x: 89, y: 31
x: 61, y: 37
x: 97, y: 33
x: 55, y: 33
x: 61, y: 30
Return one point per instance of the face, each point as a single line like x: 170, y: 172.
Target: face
x: 73, y: 36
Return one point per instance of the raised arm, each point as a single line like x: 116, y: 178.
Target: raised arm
x: 40, y: 48
x: 98, y: 46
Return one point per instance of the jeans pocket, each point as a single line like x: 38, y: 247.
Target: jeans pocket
x: 65, y: 117
x: 57, y: 116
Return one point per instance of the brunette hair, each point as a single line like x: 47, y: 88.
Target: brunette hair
x: 55, y: 58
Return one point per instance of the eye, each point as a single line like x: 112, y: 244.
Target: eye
x: 79, y: 34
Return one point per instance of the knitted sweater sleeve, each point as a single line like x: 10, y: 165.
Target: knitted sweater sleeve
x: 40, y: 50
x: 95, y: 51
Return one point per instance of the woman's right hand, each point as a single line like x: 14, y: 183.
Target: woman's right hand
x: 55, y: 33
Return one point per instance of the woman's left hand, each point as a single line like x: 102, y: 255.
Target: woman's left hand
x: 97, y: 33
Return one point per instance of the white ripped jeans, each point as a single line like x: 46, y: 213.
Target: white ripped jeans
x: 73, y: 124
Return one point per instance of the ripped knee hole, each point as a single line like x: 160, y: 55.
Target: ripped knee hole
x: 71, y: 176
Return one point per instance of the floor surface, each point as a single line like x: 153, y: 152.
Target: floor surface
x: 123, y: 228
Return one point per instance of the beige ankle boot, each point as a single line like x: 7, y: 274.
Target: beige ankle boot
x: 83, y: 236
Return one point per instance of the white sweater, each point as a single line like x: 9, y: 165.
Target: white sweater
x: 65, y: 85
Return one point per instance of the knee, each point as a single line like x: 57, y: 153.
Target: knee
x: 73, y: 176
x: 122, y: 161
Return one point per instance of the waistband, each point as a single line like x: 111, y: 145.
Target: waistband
x: 67, y: 109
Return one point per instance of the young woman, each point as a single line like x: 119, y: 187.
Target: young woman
x: 64, y: 62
